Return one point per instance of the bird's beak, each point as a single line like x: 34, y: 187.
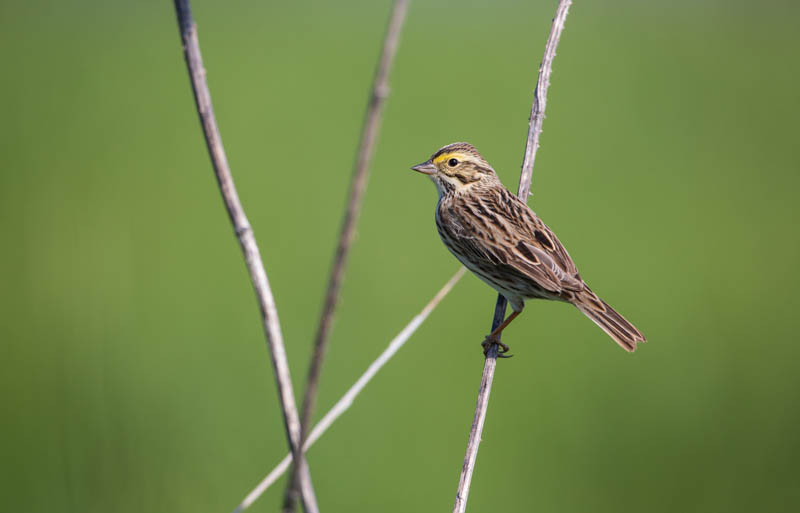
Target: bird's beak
x: 426, y: 168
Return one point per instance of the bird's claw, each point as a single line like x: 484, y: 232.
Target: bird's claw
x: 502, y: 349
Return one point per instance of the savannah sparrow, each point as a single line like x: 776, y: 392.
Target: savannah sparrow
x: 500, y: 239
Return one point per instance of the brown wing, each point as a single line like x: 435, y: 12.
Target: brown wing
x: 524, y: 241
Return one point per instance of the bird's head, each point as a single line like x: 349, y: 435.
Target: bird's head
x: 456, y: 168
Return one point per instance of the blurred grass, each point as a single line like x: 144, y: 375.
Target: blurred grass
x: 132, y: 364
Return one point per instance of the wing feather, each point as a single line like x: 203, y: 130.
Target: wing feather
x: 533, y: 248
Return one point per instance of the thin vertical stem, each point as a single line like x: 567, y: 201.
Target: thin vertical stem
x: 540, y: 99
x: 358, y: 184
x: 531, y: 146
x: 247, y: 241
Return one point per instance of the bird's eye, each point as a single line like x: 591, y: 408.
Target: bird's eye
x: 452, y: 162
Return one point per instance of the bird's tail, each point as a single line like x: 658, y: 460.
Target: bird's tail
x: 623, y: 332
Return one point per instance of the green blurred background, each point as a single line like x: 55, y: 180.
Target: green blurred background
x: 133, y: 369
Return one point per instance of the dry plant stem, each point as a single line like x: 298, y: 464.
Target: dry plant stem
x: 477, y: 429
x: 358, y: 184
x: 540, y: 98
x: 531, y: 146
x: 247, y: 241
x: 347, y: 399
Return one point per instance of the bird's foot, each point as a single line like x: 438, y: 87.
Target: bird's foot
x: 502, y: 348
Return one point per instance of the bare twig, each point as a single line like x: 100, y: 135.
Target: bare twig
x: 347, y: 399
x: 540, y: 98
x: 247, y: 241
x: 532, y: 145
x: 366, y: 149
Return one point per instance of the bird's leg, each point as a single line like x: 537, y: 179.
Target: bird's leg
x: 494, y: 336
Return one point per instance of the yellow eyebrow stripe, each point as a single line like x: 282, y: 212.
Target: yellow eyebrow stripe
x: 446, y: 156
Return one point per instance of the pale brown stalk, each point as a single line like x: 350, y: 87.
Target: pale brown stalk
x: 531, y: 147
x: 347, y: 399
x: 247, y: 241
x: 358, y: 184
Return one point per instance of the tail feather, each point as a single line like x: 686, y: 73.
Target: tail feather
x: 616, y: 326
